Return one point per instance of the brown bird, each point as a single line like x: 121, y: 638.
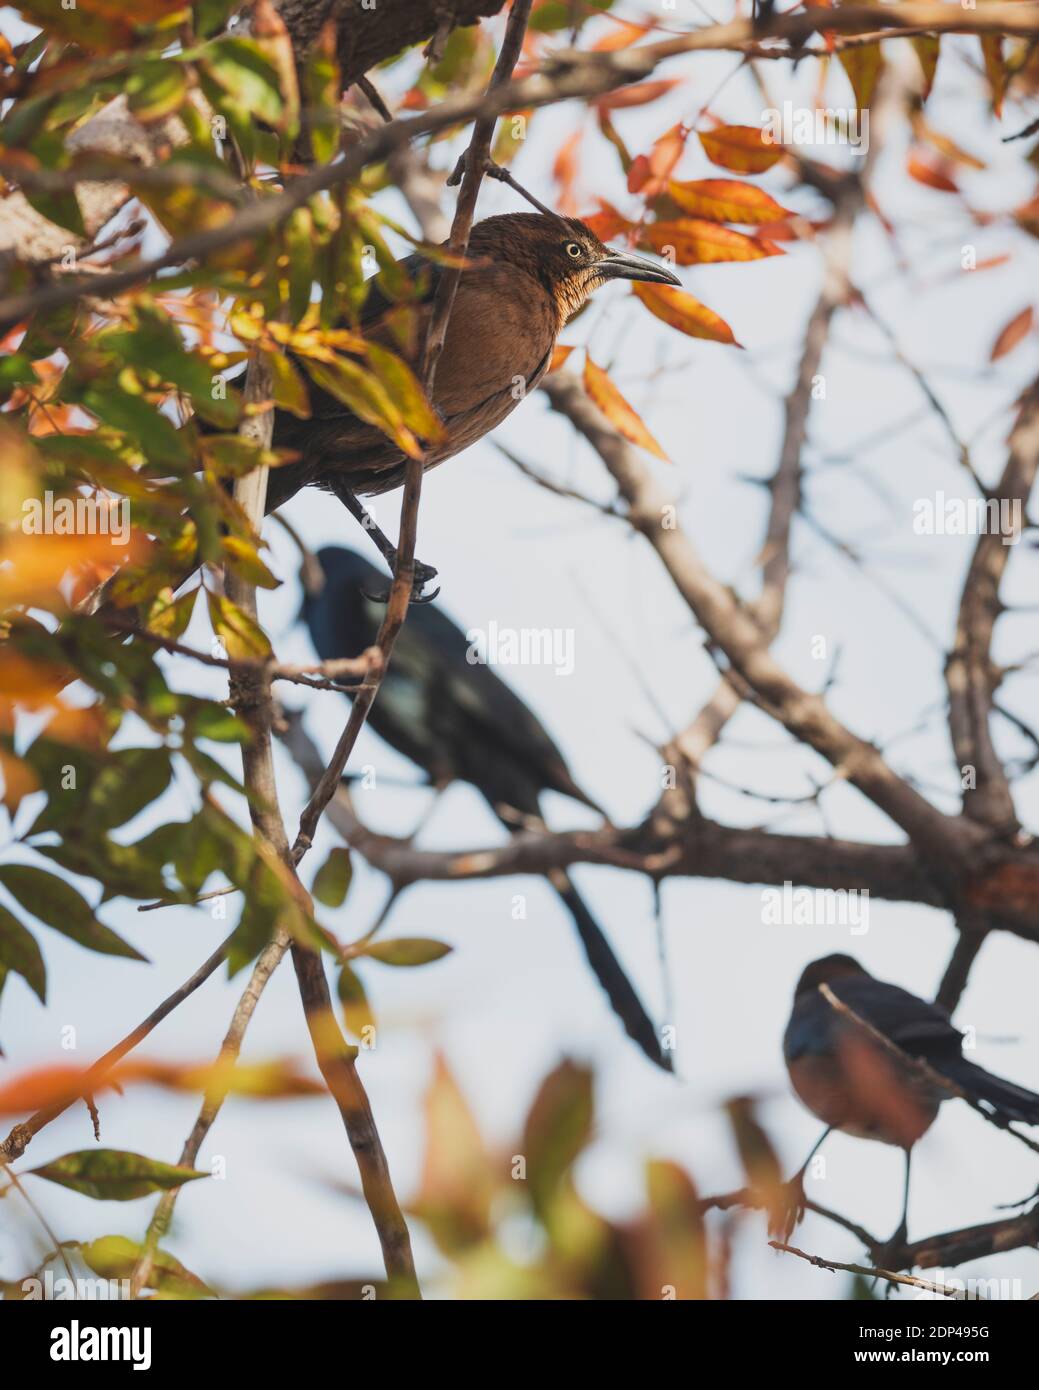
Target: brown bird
x: 529, y: 274
x: 526, y: 274
x: 847, y: 1077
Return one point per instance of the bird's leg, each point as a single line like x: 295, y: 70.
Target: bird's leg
x: 794, y: 1193
x: 386, y: 548
x: 888, y: 1254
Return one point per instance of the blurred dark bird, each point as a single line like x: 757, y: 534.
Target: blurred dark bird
x: 853, y: 1083
x: 529, y: 274
x: 459, y: 722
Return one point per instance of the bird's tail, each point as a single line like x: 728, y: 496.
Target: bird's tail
x: 610, y: 973
x: 1008, y: 1101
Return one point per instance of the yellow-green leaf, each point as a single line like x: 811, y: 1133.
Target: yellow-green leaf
x: 408, y: 950
x: 862, y: 64
x: 114, y: 1175
x: 244, y: 639
x: 357, y: 1014
x: 332, y: 880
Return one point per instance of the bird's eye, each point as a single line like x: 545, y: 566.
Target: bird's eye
x: 573, y: 248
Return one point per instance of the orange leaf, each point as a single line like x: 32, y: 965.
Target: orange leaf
x: 559, y: 355
x: 19, y: 780
x: 649, y: 173
x: 931, y: 175
x: 685, y: 313
x: 607, y: 222
x: 740, y: 147
x: 1015, y: 332
x: 638, y: 173
x: 622, y: 35
x: 945, y: 147
x: 564, y: 171
x: 641, y: 94
x: 693, y: 241
x: 992, y: 52
x: 777, y: 231
x: 617, y: 410
x: 726, y: 200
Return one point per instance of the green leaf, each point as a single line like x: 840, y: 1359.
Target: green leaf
x: 241, y: 556
x: 239, y: 68
x: 212, y: 15
x: 240, y: 633
x: 321, y: 87
x: 113, y: 1175
x: 154, y: 344
x: 156, y: 89
x: 64, y: 908
x: 206, y: 719
x: 20, y: 953
x: 357, y: 1014
x: 557, y: 1130
x: 299, y: 247
x: 230, y: 455
x: 408, y: 950
x: 131, y: 780
x: 114, y: 1257
x: 332, y: 880
x: 364, y: 394
x: 288, y: 387
x: 169, y: 616
x: 133, y: 415
x: 16, y: 370
x: 120, y: 869
x: 197, y: 854
x: 403, y: 385
x: 60, y: 208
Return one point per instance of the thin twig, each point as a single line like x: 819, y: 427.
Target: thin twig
x: 266, y: 963
x: 22, y: 1134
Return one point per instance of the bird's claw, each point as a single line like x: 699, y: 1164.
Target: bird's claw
x: 891, y: 1255
x: 789, y: 1209
x: 423, y: 574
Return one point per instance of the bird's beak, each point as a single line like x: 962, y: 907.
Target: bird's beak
x: 622, y: 265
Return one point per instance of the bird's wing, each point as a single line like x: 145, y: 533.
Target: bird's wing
x: 430, y: 643
x: 913, y: 1024
x: 425, y: 274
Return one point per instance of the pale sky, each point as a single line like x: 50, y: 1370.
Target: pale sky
x: 516, y: 996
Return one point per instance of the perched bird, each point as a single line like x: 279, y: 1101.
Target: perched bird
x: 528, y: 273
x: 459, y: 722
x: 846, y: 1076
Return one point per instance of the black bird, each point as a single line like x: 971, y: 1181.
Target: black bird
x: 459, y: 722
x: 855, y: 1084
